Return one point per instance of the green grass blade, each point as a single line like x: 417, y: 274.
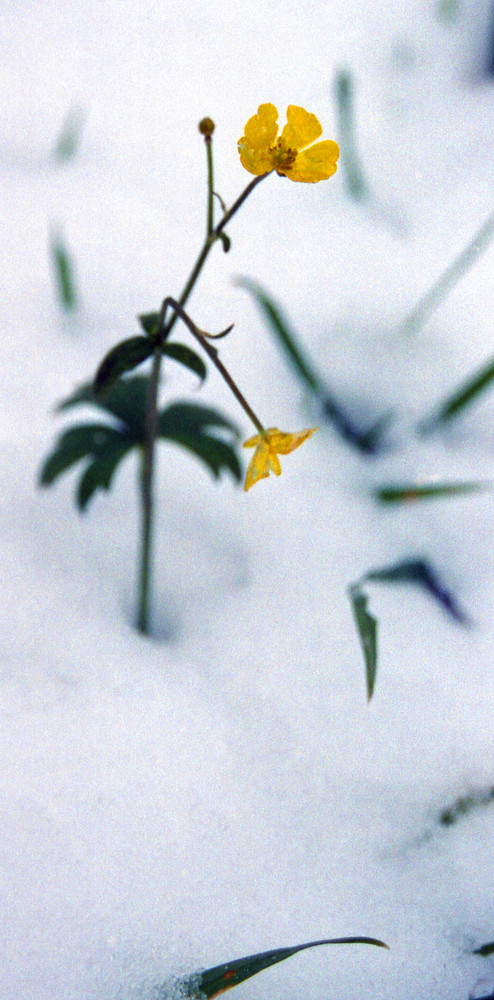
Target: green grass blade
x: 448, y: 279
x: 63, y: 270
x: 421, y: 573
x: 460, y: 398
x: 280, y: 327
x: 211, y: 982
x: 351, y: 166
x: 409, y: 492
x: 367, y: 632
x: 69, y: 137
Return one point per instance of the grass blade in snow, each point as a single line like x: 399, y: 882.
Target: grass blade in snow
x: 349, y: 158
x: 64, y: 274
x: 211, y: 982
x: 460, y: 398
x: 448, y: 279
x: 409, y: 492
x: 366, y: 441
x: 68, y: 140
x: 415, y: 571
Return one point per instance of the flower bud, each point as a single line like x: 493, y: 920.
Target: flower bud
x: 206, y: 127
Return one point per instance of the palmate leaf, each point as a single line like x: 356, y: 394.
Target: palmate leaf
x: 209, y: 983
x: 414, y: 571
x: 99, y: 474
x: 76, y: 443
x: 125, y: 400
x: 191, y: 425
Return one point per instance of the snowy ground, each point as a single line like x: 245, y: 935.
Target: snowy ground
x: 175, y: 803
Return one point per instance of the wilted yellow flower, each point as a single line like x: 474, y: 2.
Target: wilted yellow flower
x: 269, y: 444
x: 261, y: 151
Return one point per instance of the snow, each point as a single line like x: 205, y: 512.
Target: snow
x: 224, y: 788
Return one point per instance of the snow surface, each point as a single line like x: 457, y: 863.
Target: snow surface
x: 224, y: 788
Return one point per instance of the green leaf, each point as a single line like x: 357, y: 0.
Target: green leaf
x: 189, y: 425
x: 69, y: 137
x: 150, y: 323
x: 75, y: 444
x: 460, y: 398
x: 279, y: 325
x: 64, y: 274
x: 120, y: 359
x: 367, y: 630
x: 185, y: 356
x: 420, y: 572
x: 409, y: 492
x: 210, y: 982
x: 99, y: 474
x: 226, y: 241
x: 125, y: 400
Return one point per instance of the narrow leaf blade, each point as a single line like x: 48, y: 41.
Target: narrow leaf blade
x: 409, y: 492
x: 462, y: 397
x: 211, y: 982
x: 64, y: 274
x: 420, y: 572
x: 367, y: 631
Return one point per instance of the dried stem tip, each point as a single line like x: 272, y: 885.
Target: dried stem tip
x: 206, y: 127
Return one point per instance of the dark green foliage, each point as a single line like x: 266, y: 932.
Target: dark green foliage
x: 210, y: 982
x: 414, y: 571
x: 190, y: 425
x: 64, y: 274
x: 185, y: 356
x: 150, y: 323
x: 122, y: 358
x: 485, y: 949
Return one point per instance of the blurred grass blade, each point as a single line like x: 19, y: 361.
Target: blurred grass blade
x: 68, y: 140
x: 420, y: 572
x: 448, y: 10
x: 409, y: 492
x: 349, y: 159
x: 485, y: 949
x: 279, y: 325
x: 367, y: 631
x: 63, y: 273
x: 414, y: 571
x: 448, y: 279
x: 460, y: 398
x: 367, y: 441
x: 463, y: 806
x: 211, y: 982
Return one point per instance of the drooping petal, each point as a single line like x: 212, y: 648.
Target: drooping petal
x: 268, y: 446
x: 301, y: 128
x: 283, y: 443
x: 316, y: 163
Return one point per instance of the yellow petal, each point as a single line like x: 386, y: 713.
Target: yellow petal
x: 283, y: 443
x: 301, y: 129
x: 316, y: 163
x: 261, y: 130
x: 254, y: 160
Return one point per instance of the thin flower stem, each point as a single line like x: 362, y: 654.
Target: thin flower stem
x: 210, y: 210
x: 212, y: 353
x: 148, y: 453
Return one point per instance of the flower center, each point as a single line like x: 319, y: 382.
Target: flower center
x: 283, y: 156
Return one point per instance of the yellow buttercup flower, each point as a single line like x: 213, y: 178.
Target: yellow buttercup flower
x: 269, y: 444
x: 292, y: 154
